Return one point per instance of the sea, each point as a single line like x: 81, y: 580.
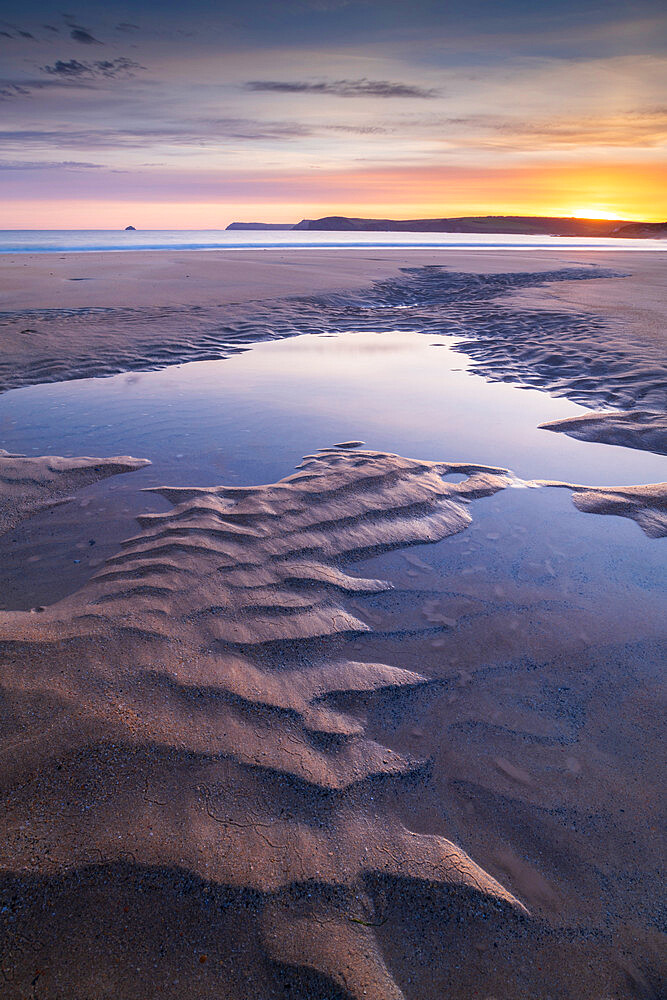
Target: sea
x: 14, y: 241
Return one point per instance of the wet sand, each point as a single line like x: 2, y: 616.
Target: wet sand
x: 82, y: 315
x: 30, y: 486
x: 217, y: 277
x: 641, y: 429
x: 273, y: 749
x: 196, y: 724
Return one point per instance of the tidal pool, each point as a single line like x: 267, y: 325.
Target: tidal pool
x: 250, y: 418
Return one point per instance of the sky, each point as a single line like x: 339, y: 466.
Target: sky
x: 193, y: 115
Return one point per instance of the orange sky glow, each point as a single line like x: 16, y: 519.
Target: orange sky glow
x: 629, y: 192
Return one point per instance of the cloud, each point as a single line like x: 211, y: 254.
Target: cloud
x: 342, y: 88
x: 84, y: 37
x: 109, y: 69
x: 359, y: 129
x: 12, y: 31
x: 642, y: 128
x: 71, y: 74
x: 203, y: 132
x: 48, y: 165
x: 73, y: 69
x: 8, y: 90
x: 250, y: 128
x: 127, y: 26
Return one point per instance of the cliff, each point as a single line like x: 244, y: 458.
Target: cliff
x: 510, y: 224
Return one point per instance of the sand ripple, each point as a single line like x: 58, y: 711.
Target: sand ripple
x: 189, y: 719
x: 187, y: 708
x: 583, y: 357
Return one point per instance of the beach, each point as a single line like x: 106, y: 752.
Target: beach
x: 332, y: 623
x: 64, y: 316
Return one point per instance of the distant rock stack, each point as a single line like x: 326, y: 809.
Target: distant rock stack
x: 130, y: 229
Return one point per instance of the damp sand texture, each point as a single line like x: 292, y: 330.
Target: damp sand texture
x: 384, y: 727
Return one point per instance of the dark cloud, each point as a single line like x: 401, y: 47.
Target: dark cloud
x: 84, y: 37
x: 72, y: 73
x: 12, y: 31
x: 114, y: 69
x: 109, y: 69
x: 127, y: 26
x: 68, y: 70
x: 8, y: 90
x: 50, y: 27
x: 24, y: 88
x: 342, y: 88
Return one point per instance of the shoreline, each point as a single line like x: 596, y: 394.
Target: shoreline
x: 324, y: 247
x: 91, y: 241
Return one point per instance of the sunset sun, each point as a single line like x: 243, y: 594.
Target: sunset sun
x: 593, y: 212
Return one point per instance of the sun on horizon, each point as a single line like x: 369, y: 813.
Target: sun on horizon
x: 594, y: 213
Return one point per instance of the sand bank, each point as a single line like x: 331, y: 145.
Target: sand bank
x: 29, y: 486
x: 647, y: 505
x: 191, y: 718
x: 194, y: 619
x: 637, y: 429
